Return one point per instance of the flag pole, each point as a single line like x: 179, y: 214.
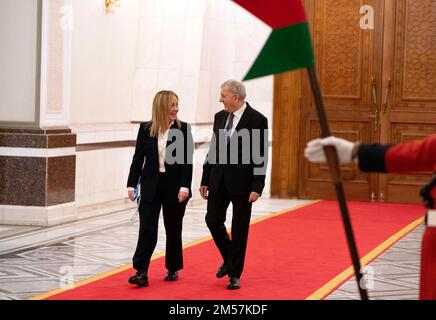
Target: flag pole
x: 333, y: 163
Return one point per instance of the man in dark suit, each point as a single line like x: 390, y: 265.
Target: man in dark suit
x: 234, y: 171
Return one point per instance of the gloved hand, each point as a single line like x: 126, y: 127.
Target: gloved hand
x: 314, y: 151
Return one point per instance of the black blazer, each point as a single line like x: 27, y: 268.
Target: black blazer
x: 239, y: 178
x: 145, y: 163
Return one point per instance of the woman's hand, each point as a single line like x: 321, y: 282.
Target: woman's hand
x: 130, y: 193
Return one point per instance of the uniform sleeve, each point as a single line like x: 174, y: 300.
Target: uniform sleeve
x: 413, y: 156
x: 372, y: 157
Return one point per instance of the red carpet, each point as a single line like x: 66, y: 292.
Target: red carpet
x: 289, y: 256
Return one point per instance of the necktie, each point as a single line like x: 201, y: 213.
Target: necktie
x: 229, y: 127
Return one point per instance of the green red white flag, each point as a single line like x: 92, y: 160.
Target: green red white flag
x: 289, y: 46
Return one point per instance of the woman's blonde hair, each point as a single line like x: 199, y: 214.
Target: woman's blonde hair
x: 162, y: 104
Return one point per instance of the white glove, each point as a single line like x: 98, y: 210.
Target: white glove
x: 314, y: 151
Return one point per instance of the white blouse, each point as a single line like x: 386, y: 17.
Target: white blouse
x: 162, y: 149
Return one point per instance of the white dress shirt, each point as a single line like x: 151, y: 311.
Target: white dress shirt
x: 162, y: 148
x: 237, y: 116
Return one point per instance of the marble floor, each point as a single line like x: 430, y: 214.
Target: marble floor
x: 394, y: 275
x: 35, y: 260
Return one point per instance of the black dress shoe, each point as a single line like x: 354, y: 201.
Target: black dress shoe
x: 222, y: 271
x: 233, y: 283
x: 171, y: 276
x: 140, y: 279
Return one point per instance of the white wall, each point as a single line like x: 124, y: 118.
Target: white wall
x: 169, y: 54
x: 232, y: 40
x: 18, y: 56
x: 101, y: 175
x: 103, y: 62
x: 192, y: 47
x: 120, y: 61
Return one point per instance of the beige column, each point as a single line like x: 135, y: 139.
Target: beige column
x: 37, y: 148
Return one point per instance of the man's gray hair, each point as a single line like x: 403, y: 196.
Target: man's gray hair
x: 236, y: 88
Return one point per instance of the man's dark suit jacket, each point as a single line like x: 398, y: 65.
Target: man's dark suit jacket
x: 145, y: 163
x: 239, y: 179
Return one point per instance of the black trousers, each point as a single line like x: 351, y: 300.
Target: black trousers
x: 173, y: 212
x: 232, y: 249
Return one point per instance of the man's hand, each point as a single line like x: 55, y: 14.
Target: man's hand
x: 204, y: 192
x: 253, y: 197
x: 183, y: 196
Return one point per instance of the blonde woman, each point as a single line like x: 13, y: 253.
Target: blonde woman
x: 162, y: 164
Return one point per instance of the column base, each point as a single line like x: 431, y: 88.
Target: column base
x: 38, y: 216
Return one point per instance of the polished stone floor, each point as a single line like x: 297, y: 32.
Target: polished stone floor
x: 394, y: 275
x: 36, y: 260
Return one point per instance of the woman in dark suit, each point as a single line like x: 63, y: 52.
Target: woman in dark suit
x: 163, y: 164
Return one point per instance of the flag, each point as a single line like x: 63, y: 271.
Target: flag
x: 289, y: 46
